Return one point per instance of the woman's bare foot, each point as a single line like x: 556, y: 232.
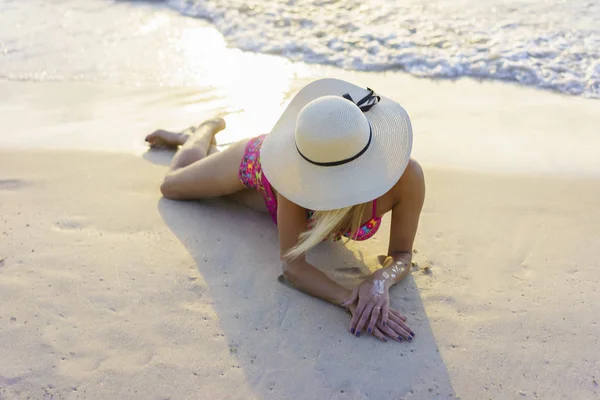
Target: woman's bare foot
x: 162, y: 139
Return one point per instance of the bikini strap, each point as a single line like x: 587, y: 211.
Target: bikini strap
x: 374, y: 209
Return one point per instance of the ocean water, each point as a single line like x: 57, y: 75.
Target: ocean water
x: 550, y: 44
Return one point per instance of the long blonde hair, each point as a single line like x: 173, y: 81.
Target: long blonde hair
x: 326, y: 224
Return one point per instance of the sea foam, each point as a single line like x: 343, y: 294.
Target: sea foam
x: 548, y: 44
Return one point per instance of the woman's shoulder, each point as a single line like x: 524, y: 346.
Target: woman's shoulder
x: 413, y: 172
x: 412, y: 182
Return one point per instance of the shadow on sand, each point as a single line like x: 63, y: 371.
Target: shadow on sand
x: 291, y: 345
x: 158, y: 157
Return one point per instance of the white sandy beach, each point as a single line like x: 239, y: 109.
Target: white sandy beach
x: 108, y: 291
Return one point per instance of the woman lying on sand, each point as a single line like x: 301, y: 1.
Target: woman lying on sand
x: 335, y: 162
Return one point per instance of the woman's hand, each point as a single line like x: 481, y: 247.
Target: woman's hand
x: 396, y: 328
x: 373, y: 300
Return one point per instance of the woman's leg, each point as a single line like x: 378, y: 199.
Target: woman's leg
x: 194, y: 174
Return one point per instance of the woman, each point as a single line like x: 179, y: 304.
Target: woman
x: 335, y: 162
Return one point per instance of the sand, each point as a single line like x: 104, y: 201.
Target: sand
x: 108, y: 291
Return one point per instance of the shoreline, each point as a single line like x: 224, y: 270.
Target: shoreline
x: 494, y: 127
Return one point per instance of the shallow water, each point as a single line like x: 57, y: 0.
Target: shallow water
x: 548, y: 44
x: 144, y: 45
x: 127, y: 43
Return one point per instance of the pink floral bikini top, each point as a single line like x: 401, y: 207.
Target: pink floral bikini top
x: 366, y: 231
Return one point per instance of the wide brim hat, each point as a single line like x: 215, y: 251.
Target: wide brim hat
x: 337, y: 145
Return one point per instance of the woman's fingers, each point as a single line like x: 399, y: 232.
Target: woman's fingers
x: 390, y: 333
x: 399, y: 330
x: 396, y: 319
x: 374, y: 316
x: 399, y: 321
x: 397, y: 315
x: 362, y: 322
x: 402, y: 324
x: 377, y: 333
x: 356, y: 316
x: 407, y: 329
x: 385, y: 311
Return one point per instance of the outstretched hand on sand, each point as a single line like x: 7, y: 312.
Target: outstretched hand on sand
x: 395, y: 328
x: 369, y: 304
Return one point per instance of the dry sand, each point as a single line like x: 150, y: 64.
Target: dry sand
x: 108, y: 291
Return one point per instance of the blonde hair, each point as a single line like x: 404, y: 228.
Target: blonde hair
x: 325, y: 225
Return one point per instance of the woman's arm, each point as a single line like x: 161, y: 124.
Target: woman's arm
x: 410, y: 195
x: 372, y: 294
x: 292, y: 221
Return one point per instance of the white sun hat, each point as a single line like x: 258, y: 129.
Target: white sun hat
x: 337, y: 145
